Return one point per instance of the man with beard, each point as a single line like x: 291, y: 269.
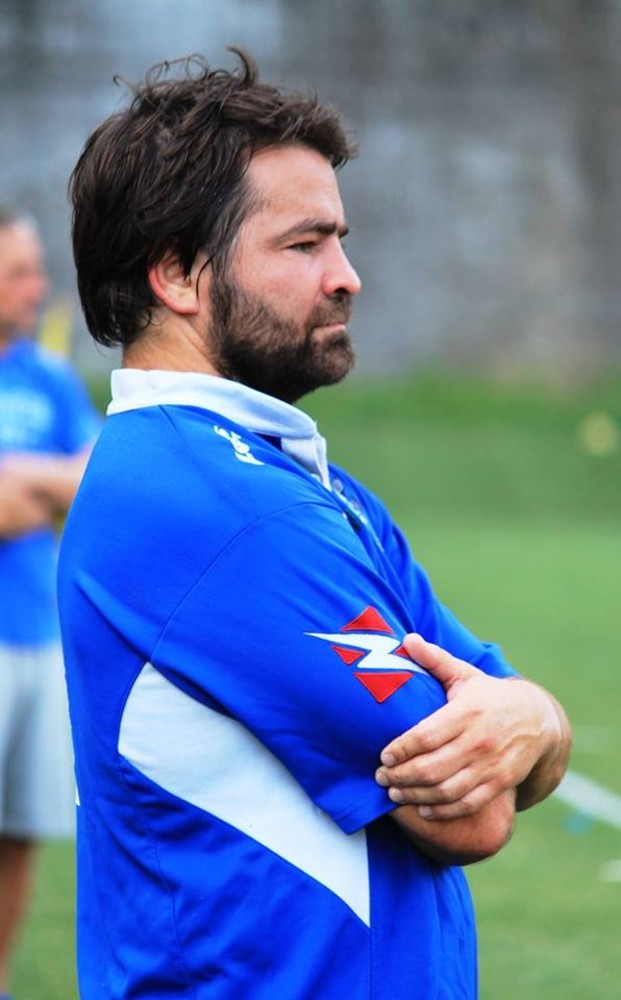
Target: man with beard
x: 278, y: 781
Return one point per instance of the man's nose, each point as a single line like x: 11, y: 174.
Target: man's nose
x: 341, y: 276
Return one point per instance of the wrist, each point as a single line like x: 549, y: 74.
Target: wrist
x: 552, y: 734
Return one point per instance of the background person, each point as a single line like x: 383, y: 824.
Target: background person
x: 235, y: 611
x: 47, y: 426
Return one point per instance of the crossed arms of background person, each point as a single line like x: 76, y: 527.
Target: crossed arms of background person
x: 36, y: 489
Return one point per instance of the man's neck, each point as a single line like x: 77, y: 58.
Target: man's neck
x: 175, y: 348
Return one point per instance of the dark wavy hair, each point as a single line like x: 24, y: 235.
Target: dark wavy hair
x: 166, y: 175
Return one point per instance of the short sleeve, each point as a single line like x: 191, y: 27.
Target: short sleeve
x: 292, y: 631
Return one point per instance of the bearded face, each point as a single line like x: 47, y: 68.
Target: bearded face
x: 253, y: 344
x: 278, y: 306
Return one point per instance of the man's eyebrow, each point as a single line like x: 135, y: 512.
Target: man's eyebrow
x: 318, y: 226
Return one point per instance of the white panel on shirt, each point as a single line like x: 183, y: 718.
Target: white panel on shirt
x: 216, y: 764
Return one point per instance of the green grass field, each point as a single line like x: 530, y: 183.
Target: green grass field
x: 519, y: 526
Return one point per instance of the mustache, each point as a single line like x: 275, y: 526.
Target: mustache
x: 336, y: 311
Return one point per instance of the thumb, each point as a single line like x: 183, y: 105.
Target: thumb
x: 445, y: 667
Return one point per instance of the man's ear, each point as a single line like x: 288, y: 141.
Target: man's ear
x: 173, y: 288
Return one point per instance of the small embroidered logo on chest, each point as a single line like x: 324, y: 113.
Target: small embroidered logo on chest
x: 241, y: 450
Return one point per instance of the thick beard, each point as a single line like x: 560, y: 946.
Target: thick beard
x: 252, y: 344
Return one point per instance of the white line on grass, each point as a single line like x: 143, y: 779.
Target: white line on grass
x: 588, y: 797
x: 610, y: 871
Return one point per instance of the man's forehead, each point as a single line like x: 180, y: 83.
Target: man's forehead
x: 295, y: 180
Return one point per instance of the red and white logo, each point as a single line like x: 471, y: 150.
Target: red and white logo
x: 383, y: 665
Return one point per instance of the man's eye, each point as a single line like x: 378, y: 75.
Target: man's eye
x: 306, y: 246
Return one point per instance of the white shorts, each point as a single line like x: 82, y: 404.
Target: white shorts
x: 37, y: 785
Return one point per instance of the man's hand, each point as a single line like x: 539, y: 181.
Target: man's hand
x: 22, y: 510
x: 49, y: 480
x: 493, y: 735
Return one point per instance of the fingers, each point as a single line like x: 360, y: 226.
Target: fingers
x: 438, y: 729
x: 409, y: 745
x: 453, y: 808
x: 446, y: 776
x: 453, y: 788
x: 465, y: 754
x: 460, y: 796
x: 473, y: 803
x: 447, y: 786
x: 449, y: 721
x: 445, y: 667
x: 470, y: 804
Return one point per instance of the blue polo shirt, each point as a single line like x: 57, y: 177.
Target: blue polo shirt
x: 232, y: 613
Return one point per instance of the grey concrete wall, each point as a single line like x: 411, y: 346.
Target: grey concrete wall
x: 485, y: 203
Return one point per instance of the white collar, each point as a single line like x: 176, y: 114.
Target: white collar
x: 134, y: 388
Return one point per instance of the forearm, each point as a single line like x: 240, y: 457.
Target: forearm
x: 465, y: 840
x: 49, y: 479
x: 21, y: 513
x: 555, y: 735
x: 59, y: 480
